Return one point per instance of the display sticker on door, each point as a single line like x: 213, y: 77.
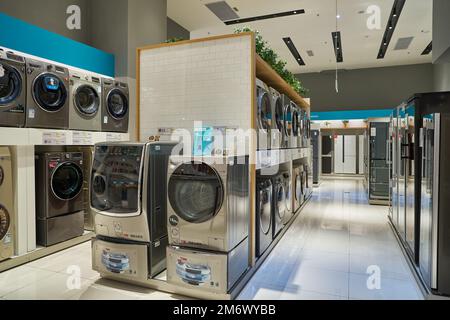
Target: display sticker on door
x: 54, y: 138
x: 31, y: 113
x: 82, y: 138
x: 373, y: 132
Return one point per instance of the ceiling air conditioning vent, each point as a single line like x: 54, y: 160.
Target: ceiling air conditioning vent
x: 403, y: 43
x: 222, y: 10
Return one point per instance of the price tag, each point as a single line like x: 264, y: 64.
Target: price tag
x: 82, y: 138
x: 54, y: 138
x: 113, y: 137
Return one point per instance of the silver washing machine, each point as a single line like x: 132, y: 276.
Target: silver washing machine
x: 279, y: 205
x: 13, y: 89
x: 288, y: 113
x: 264, y: 218
x: 48, y: 95
x: 85, y: 103
x: 296, y: 136
x: 115, y: 106
x: 277, y: 130
x: 6, y: 205
x: 289, y: 197
x: 129, y: 200
x: 263, y: 115
x: 209, y: 206
x: 298, y: 191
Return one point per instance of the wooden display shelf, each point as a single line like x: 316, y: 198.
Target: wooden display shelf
x: 265, y: 73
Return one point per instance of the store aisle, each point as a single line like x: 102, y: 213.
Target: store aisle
x: 329, y: 248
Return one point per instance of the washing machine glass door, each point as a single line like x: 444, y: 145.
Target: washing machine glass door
x: 265, y: 209
x: 288, y: 120
x: 49, y: 92
x: 5, y: 221
x: 279, y: 115
x: 281, y: 201
x: 196, y: 192
x: 264, y: 111
x: 295, y: 124
x: 288, y: 191
x: 298, y: 188
x: 87, y: 100
x: 67, y: 181
x: 116, y: 180
x: 117, y: 104
x: 10, y: 84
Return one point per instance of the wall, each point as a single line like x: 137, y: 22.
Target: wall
x: 373, y: 88
x: 442, y: 77
x: 174, y: 30
x: 441, y: 27
x: 50, y: 15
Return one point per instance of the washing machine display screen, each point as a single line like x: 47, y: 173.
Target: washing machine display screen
x: 87, y: 100
x: 116, y: 179
x: 117, y: 104
x: 67, y: 181
x: 4, y: 222
x: 49, y: 92
x: 10, y: 84
x: 196, y: 192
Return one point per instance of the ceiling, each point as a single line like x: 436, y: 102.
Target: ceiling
x: 312, y: 30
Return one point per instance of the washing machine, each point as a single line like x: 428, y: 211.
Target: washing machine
x: 296, y: 136
x: 288, y: 188
x: 85, y: 102
x: 288, y: 113
x: 6, y: 205
x: 263, y: 115
x: 129, y: 200
x: 47, y: 95
x: 59, y: 197
x: 277, y: 130
x: 298, y: 192
x: 279, y: 205
x: 303, y: 129
x: 13, y: 89
x: 208, y: 202
x: 264, y: 208
x: 115, y: 106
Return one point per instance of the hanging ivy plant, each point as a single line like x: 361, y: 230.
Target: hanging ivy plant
x: 271, y: 57
x: 172, y: 40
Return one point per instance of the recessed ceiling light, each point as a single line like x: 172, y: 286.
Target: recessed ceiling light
x: 338, y: 16
x: 395, y: 15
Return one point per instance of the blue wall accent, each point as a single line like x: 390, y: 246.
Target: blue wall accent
x: 351, y: 115
x: 18, y: 35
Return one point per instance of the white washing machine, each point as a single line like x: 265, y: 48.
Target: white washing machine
x: 263, y: 115
x: 85, y: 103
x: 277, y: 130
x: 13, y: 89
x: 208, y: 202
x: 6, y: 205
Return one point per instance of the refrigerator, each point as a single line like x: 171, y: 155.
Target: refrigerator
x: 317, y: 159
x: 345, y: 154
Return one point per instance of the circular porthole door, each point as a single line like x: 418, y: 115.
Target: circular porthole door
x: 117, y: 104
x: 67, y: 181
x: 49, y: 92
x: 281, y: 201
x: 87, y: 100
x: 10, y: 84
x: 265, y: 208
x: 5, y: 222
x: 196, y: 192
x: 279, y: 115
x: 264, y: 111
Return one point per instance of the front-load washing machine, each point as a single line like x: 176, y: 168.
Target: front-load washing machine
x: 298, y: 187
x: 263, y: 115
x: 129, y: 199
x: 264, y: 207
x: 303, y: 129
x: 288, y: 112
x: 48, y: 95
x: 85, y: 103
x: 211, y: 272
x: 6, y: 205
x: 277, y: 130
x: 289, y: 199
x: 279, y: 206
x: 115, y: 106
x: 208, y: 202
x: 59, y: 197
x: 13, y: 89
x: 296, y: 137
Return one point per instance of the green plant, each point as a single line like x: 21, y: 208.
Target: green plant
x: 172, y: 40
x: 271, y: 57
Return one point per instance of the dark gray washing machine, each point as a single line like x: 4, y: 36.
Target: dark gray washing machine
x: 279, y: 205
x: 59, y: 197
x: 264, y: 218
x: 13, y: 88
x: 115, y: 106
x: 48, y: 95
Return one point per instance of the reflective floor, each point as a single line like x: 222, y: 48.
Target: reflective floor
x: 339, y: 248
x: 325, y: 255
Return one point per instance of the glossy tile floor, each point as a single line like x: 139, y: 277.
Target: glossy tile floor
x: 332, y: 251
x: 325, y: 255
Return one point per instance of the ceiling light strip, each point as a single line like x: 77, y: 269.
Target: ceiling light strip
x: 265, y: 17
x: 337, y: 43
x: 390, y: 27
x: 294, y: 51
x: 428, y: 49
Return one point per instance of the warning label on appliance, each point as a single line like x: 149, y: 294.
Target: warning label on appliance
x: 54, y: 138
x: 82, y: 138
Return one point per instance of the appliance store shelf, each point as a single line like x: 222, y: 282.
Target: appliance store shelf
x: 33, y: 137
x: 269, y: 158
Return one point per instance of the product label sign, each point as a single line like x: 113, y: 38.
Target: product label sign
x: 373, y: 132
x: 54, y: 138
x: 113, y: 137
x: 82, y: 138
